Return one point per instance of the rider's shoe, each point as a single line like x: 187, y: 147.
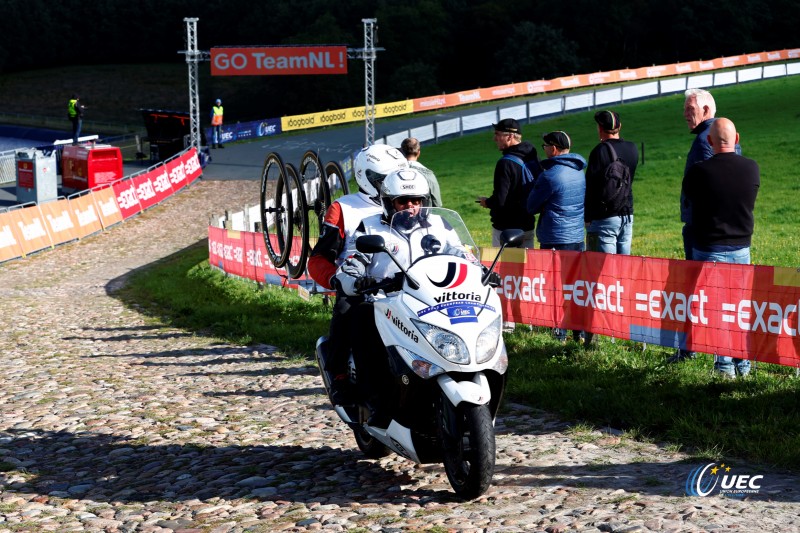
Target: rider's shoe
x: 342, y: 392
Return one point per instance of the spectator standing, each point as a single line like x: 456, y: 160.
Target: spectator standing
x: 411, y: 149
x: 75, y: 113
x: 507, y: 203
x: 558, y: 197
x: 699, y: 110
x: 722, y: 192
x: 217, y: 112
x: 608, y: 229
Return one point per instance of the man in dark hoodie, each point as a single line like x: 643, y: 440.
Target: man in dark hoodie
x: 507, y: 204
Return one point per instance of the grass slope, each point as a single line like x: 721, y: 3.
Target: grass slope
x: 618, y: 384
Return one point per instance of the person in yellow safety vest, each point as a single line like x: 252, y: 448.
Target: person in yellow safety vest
x: 216, y: 124
x: 75, y: 115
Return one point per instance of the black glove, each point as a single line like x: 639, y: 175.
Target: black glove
x: 364, y: 283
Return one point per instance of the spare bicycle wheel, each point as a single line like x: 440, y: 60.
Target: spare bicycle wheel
x: 276, y: 210
x: 298, y: 239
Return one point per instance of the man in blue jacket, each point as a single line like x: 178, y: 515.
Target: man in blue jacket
x: 558, y: 195
x: 558, y: 198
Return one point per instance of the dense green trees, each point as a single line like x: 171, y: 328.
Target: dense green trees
x: 431, y: 46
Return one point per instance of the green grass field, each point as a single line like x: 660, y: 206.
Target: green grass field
x: 683, y: 407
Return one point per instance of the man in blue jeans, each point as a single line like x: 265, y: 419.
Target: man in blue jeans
x: 722, y: 192
x: 558, y: 196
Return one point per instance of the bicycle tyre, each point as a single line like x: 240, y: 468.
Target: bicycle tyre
x: 311, y: 174
x: 336, y: 184
x: 298, y: 238
x: 276, y: 206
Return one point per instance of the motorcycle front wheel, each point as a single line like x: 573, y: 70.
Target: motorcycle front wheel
x: 469, y: 447
x: 369, y: 445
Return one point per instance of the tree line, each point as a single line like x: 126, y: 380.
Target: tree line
x: 429, y: 46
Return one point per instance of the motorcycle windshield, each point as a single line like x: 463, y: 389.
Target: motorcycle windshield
x: 434, y: 231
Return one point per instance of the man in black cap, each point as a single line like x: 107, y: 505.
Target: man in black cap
x: 609, y: 225
x: 518, y: 165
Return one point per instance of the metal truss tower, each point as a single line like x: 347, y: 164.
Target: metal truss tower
x: 193, y: 57
x: 368, y: 54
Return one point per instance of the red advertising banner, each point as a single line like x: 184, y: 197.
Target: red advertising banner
x: 152, y: 187
x: 25, y: 176
x: 183, y: 170
x: 60, y: 223
x: 9, y: 242
x: 278, y: 60
x: 127, y: 200
x: 746, y: 311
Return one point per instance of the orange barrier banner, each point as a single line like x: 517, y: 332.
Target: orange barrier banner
x: 31, y: 230
x: 586, y: 80
x: 85, y: 212
x: 61, y: 225
x: 9, y: 242
x: 106, y: 201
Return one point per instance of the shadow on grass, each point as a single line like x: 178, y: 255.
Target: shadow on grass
x: 183, y: 291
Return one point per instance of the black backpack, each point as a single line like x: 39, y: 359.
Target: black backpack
x: 616, y: 186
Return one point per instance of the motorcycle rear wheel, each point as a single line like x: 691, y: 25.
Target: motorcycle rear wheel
x: 469, y: 449
x: 369, y: 445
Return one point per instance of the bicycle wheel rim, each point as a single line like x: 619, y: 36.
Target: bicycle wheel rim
x: 336, y: 183
x: 275, y: 209
x: 311, y: 175
x: 298, y: 239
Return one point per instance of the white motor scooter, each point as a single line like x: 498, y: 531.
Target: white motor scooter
x: 443, y: 336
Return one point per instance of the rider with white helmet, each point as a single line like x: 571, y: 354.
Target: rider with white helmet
x: 372, y: 164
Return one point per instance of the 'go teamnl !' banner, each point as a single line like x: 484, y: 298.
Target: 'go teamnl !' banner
x: 744, y: 311
x: 278, y: 60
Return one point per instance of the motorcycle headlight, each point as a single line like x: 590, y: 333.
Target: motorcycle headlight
x: 448, y: 344
x: 487, y: 341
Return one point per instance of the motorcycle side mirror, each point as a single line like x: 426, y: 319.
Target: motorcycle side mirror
x: 431, y: 244
x: 512, y: 237
x: 370, y: 244
x: 373, y: 244
x: 508, y: 237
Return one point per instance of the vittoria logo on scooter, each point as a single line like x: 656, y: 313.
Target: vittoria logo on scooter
x: 456, y: 274
x: 402, y: 327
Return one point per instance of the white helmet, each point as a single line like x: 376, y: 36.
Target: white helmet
x: 372, y: 165
x: 405, y: 182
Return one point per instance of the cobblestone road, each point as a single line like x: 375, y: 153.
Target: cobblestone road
x: 112, y: 423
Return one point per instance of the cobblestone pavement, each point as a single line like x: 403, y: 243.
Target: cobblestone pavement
x: 113, y: 423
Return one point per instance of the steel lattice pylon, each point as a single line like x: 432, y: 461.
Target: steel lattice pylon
x: 193, y: 57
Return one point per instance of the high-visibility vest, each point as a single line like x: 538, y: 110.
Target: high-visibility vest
x: 72, y: 108
x: 216, y: 118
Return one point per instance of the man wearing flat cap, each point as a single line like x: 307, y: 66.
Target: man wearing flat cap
x: 507, y: 203
x: 557, y: 197
x: 608, y: 229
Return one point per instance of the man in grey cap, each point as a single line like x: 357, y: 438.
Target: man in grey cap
x: 507, y: 203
